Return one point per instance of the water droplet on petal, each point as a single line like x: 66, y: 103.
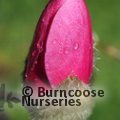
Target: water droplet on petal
x: 43, y: 20
x: 38, y: 45
x: 54, y: 42
x: 35, y: 62
x: 76, y: 46
x: 33, y: 53
x: 66, y: 51
x: 26, y: 76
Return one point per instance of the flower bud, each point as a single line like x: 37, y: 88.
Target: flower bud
x: 62, y: 45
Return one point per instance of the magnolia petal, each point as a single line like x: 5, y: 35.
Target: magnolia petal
x: 69, y: 46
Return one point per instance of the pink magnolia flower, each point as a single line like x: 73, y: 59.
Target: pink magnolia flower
x: 62, y: 45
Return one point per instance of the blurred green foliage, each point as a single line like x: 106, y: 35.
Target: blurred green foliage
x: 17, y: 24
